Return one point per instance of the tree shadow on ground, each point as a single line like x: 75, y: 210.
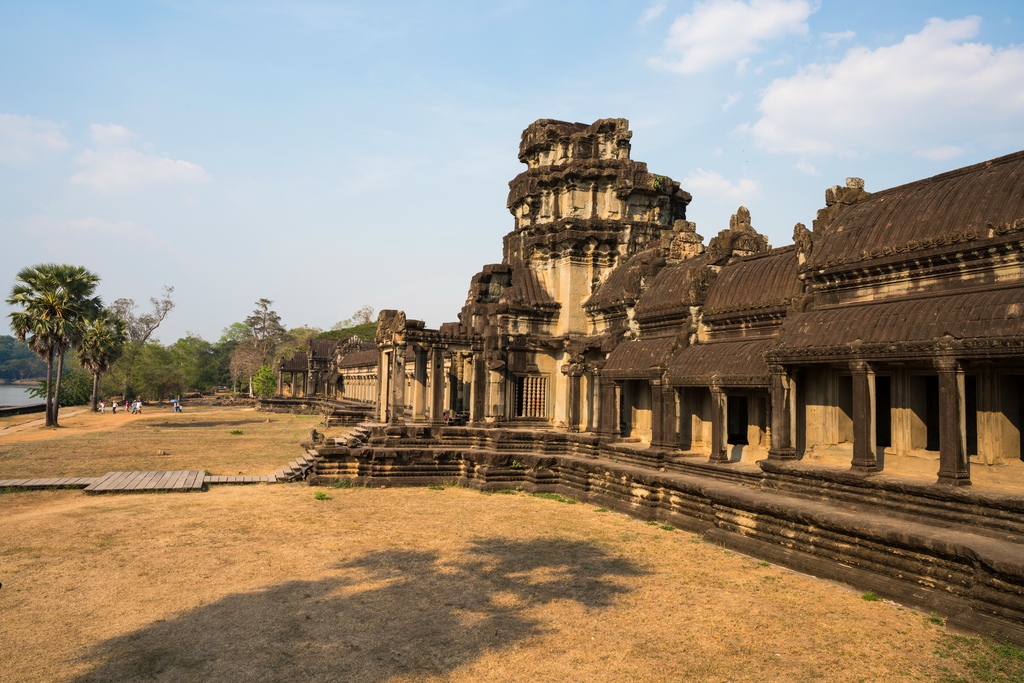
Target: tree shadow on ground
x: 393, y: 613
x: 197, y: 424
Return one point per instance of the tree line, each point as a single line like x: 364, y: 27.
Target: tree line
x: 90, y: 350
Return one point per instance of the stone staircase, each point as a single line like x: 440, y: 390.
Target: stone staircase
x: 298, y: 469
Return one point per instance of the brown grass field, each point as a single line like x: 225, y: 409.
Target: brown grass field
x: 267, y: 583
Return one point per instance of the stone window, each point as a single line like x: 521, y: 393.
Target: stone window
x: 531, y: 396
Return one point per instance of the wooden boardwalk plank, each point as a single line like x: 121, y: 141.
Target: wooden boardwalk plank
x: 165, y: 481
x: 190, y: 479
x: 109, y: 480
x: 160, y: 482
x: 131, y: 482
x: 177, y: 481
x: 154, y: 482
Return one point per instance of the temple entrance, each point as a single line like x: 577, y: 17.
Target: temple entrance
x: 738, y: 420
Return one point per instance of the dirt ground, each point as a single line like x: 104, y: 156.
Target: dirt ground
x: 90, y: 444
x: 268, y: 583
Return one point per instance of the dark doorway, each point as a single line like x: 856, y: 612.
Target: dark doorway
x: 931, y: 411
x: 737, y: 409
x: 883, y: 411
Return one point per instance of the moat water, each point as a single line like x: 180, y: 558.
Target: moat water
x: 16, y: 395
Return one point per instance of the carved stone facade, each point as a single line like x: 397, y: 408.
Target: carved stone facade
x: 876, y: 364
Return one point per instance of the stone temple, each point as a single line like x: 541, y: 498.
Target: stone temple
x: 822, y: 405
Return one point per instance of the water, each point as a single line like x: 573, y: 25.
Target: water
x: 16, y: 395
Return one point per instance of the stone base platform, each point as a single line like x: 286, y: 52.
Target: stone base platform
x: 957, y: 552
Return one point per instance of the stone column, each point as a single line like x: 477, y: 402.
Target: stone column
x: 953, y: 466
x: 669, y: 407
x: 419, y: 384
x: 657, y: 414
x: 719, y: 426
x: 398, y: 385
x: 783, y: 410
x: 573, y: 372
x: 609, y: 424
x: 864, y: 438
x: 437, y: 384
x: 989, y: 442
x: 383, y: 386
x: 280, y: 382
x: 478, y: 388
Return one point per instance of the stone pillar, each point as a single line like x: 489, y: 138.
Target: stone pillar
x: 280, y: 382
x: 573, y: 373
x: 719, y: 426
x: 657, y: 414
x: 478, y: 388
x: 419, y: 384
x: 989, y: 442
x: 594, y: 390
x: 783, y: 411
x: 865, y: 441
x: 669, y: 407
x: 609, y: 425
x: 953, y: 466
x: 398, y: 385
x: 437, y: 384
x: 495, y: 408
x: 383, y: 386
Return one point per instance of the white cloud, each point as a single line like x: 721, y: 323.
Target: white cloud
x: 805, y: 167
x: 927, y: 90
x: 940, y: 153
x: 115, y: 166
x: 721, y: 31
x: 732, y: 99
x: 715, y: 184
x: 652, y: 12
x: 834, y: 39
x: 23, y: 138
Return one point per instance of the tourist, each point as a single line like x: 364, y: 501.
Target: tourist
x: 127, y: 406
x: 103, y: 406
x: 113, y: 407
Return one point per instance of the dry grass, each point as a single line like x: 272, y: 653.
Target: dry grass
x: 267, y: 583
x: 89, y: 444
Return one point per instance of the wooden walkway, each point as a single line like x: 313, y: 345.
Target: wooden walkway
x: 113, y: 482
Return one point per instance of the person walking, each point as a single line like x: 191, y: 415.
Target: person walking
x: 103, y: 406
x: 113, y: 407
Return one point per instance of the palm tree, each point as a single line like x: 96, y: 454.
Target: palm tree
x: 102, y: 344
x: 56, y: 301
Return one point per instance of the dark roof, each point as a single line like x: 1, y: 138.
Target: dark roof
x: 755, y: 283
x: 297, y: 363
x: 735, y: 363
x: 946, y: 209
x: 675, y: 289
x: 361, y: 357
x: 627, y: 281
x: 639, y: 359
x: 976, y: 317
x: 322, y: 348
x: 526, y: 289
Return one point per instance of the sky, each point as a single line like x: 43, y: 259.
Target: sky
x: 330, y: 155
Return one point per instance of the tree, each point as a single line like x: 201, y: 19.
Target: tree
x: 197, y: 360
x: 57, y: 301
x: 363, y: 316
x: 264, y: 382
x: 265, y: 330
x: 102, y: 344
x: 18, y: 362
x: 139, y: 327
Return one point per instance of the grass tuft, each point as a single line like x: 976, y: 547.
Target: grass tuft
x: 321, y: 495
x: 236, y: 432
x: 554, y: 496
x: 870, y: 596
x: 601, y: 510
x: 667, y: 527
x: 435, y: 487
x: 345, y: 483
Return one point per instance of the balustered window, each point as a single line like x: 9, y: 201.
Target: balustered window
x: 531, y: 396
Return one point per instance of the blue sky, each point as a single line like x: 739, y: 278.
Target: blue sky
x: 330, y: 155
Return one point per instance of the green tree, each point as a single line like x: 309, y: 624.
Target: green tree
x: 75, y: 390
x: 102, y: 344
x: 265, y: 330
x: 264, y: 382
x: 157, y: 374
x: 56, y: 301
x: 197, y: 359
x: 140, y: 328
x: 17, y: 361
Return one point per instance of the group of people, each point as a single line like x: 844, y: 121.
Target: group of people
x: 134, y: 406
